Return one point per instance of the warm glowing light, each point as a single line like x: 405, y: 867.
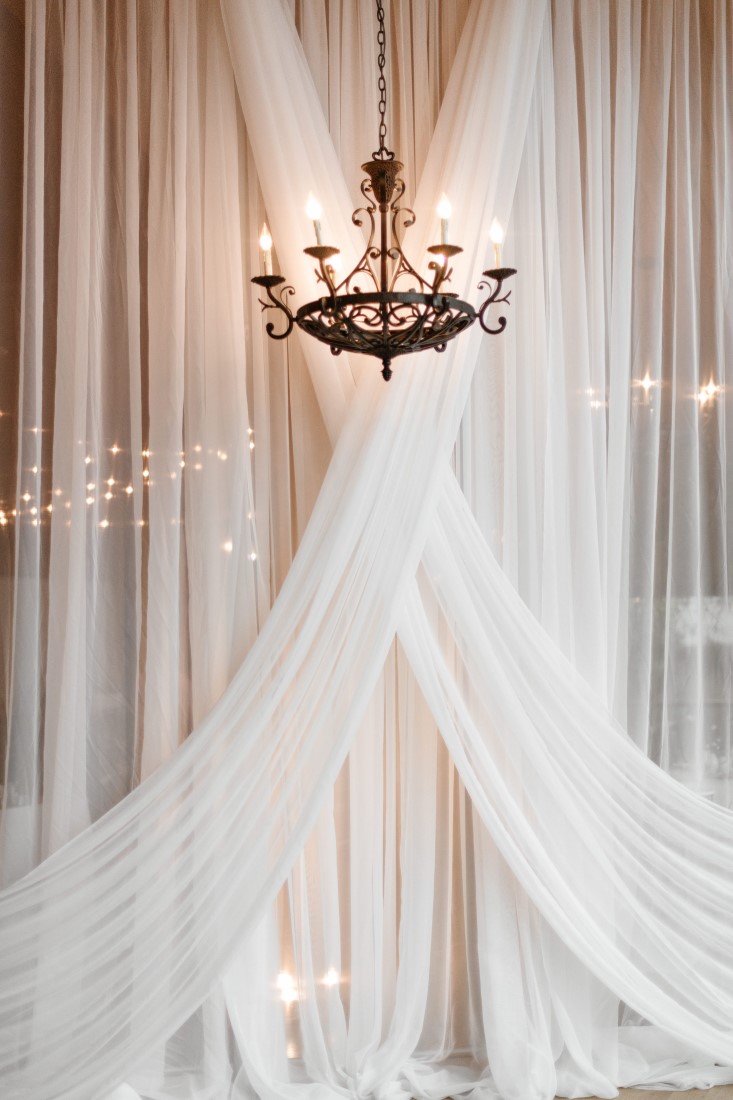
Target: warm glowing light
x: 250, y: 515
x: 58, y: 492
x: 251, y: 445
x: 313, y: 207
x: 90, y: 485
x: 182, y: 463
x: 198, y: 466
x: 222, y: 455
x: 34, y: 511
x: 34, y: 469
x: 90, y: 500
x: 3, y: 521
x: 49, y: 507
x: 266, y: 239
x: 708, y: 393
x: 26, y: 497
x: 250, y: 431
x: 228, y: 546
x: 266, y: 246
x: 104, y: 523
x: 253, y: 556
x: 286, y: 985
x: 88, y: 459
x: 444, y: 211
x: 115, y: 449
x: 331, y: 977
x: 174, y: 475
x: 107, y: 495
x: 34, y: 522
x: 313, y: 210
x: 146, y: 474
x: 496, y: 232
x: 146, y: 453
x: 110, y: 481
x: 197, y: 448
x: 646, y: 383
x: 128, y: 489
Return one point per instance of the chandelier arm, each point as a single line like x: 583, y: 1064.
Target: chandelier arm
x: 493, y: 281
x: 269, y: 282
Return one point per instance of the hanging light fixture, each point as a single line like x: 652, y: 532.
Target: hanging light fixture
x: 366, y: 312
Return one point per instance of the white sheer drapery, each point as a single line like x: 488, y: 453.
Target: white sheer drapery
x: 579, y: 820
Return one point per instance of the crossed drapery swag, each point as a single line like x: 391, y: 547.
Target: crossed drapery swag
x: 138, y: 950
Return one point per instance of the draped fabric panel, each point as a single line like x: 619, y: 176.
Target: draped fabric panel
x: 426, y: 944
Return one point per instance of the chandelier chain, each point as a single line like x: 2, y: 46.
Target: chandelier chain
x: 382, y: 153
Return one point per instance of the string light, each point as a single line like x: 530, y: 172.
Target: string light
x: 110, y: 481
x: 331, y: 977
x: 104, y: 523
x: 90, y: 485
x: 146, y: 473
x: 90, y: 500
x: 26, y: 497
x: 286, y: 985
x: 253, y: 556
x: 88, y: 459
x: 708, y: 393
x: 108, y: 496
x: 115, y: 449
x: 228, y: 546
x: 128, y: 489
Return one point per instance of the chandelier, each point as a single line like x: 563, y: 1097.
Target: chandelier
x: 384, y: 307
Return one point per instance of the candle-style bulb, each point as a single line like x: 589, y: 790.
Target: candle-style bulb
x: 265, y: 238
x: 313, y: 210
x: 496, y: 233
x: 266, y: 246
x: 444, y: 212
x: 313, y: 207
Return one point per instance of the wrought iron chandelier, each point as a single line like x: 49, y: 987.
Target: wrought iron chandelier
x: 367, y: 312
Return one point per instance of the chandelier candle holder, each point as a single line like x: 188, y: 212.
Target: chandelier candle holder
x: 384, y: 307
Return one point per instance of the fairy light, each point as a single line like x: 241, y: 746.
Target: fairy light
x: 58, y: 492
x: 90, y: 500
x: 146, y: 453
x: 198, y: 448
x: 228, y: 546
x: 104, y: 523
x: 115, y: 449
x: 49, y: 507
x: 331, y: 977
x: 110, y: 481
x: 107, y: 495
x: 286, y: 985
x: 34, y: 511
x: 128, y: 489
x: 88, y: 459
x: 90, y: 485
x: 34, y: 469
x: 251, y: 444
x: 708, y: 393
x: 26, y: 497
x: 222, y: 455
x: 253, y: 556
x: 146, y: 473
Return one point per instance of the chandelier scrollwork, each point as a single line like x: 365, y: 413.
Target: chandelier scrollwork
x: 384, y: 307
